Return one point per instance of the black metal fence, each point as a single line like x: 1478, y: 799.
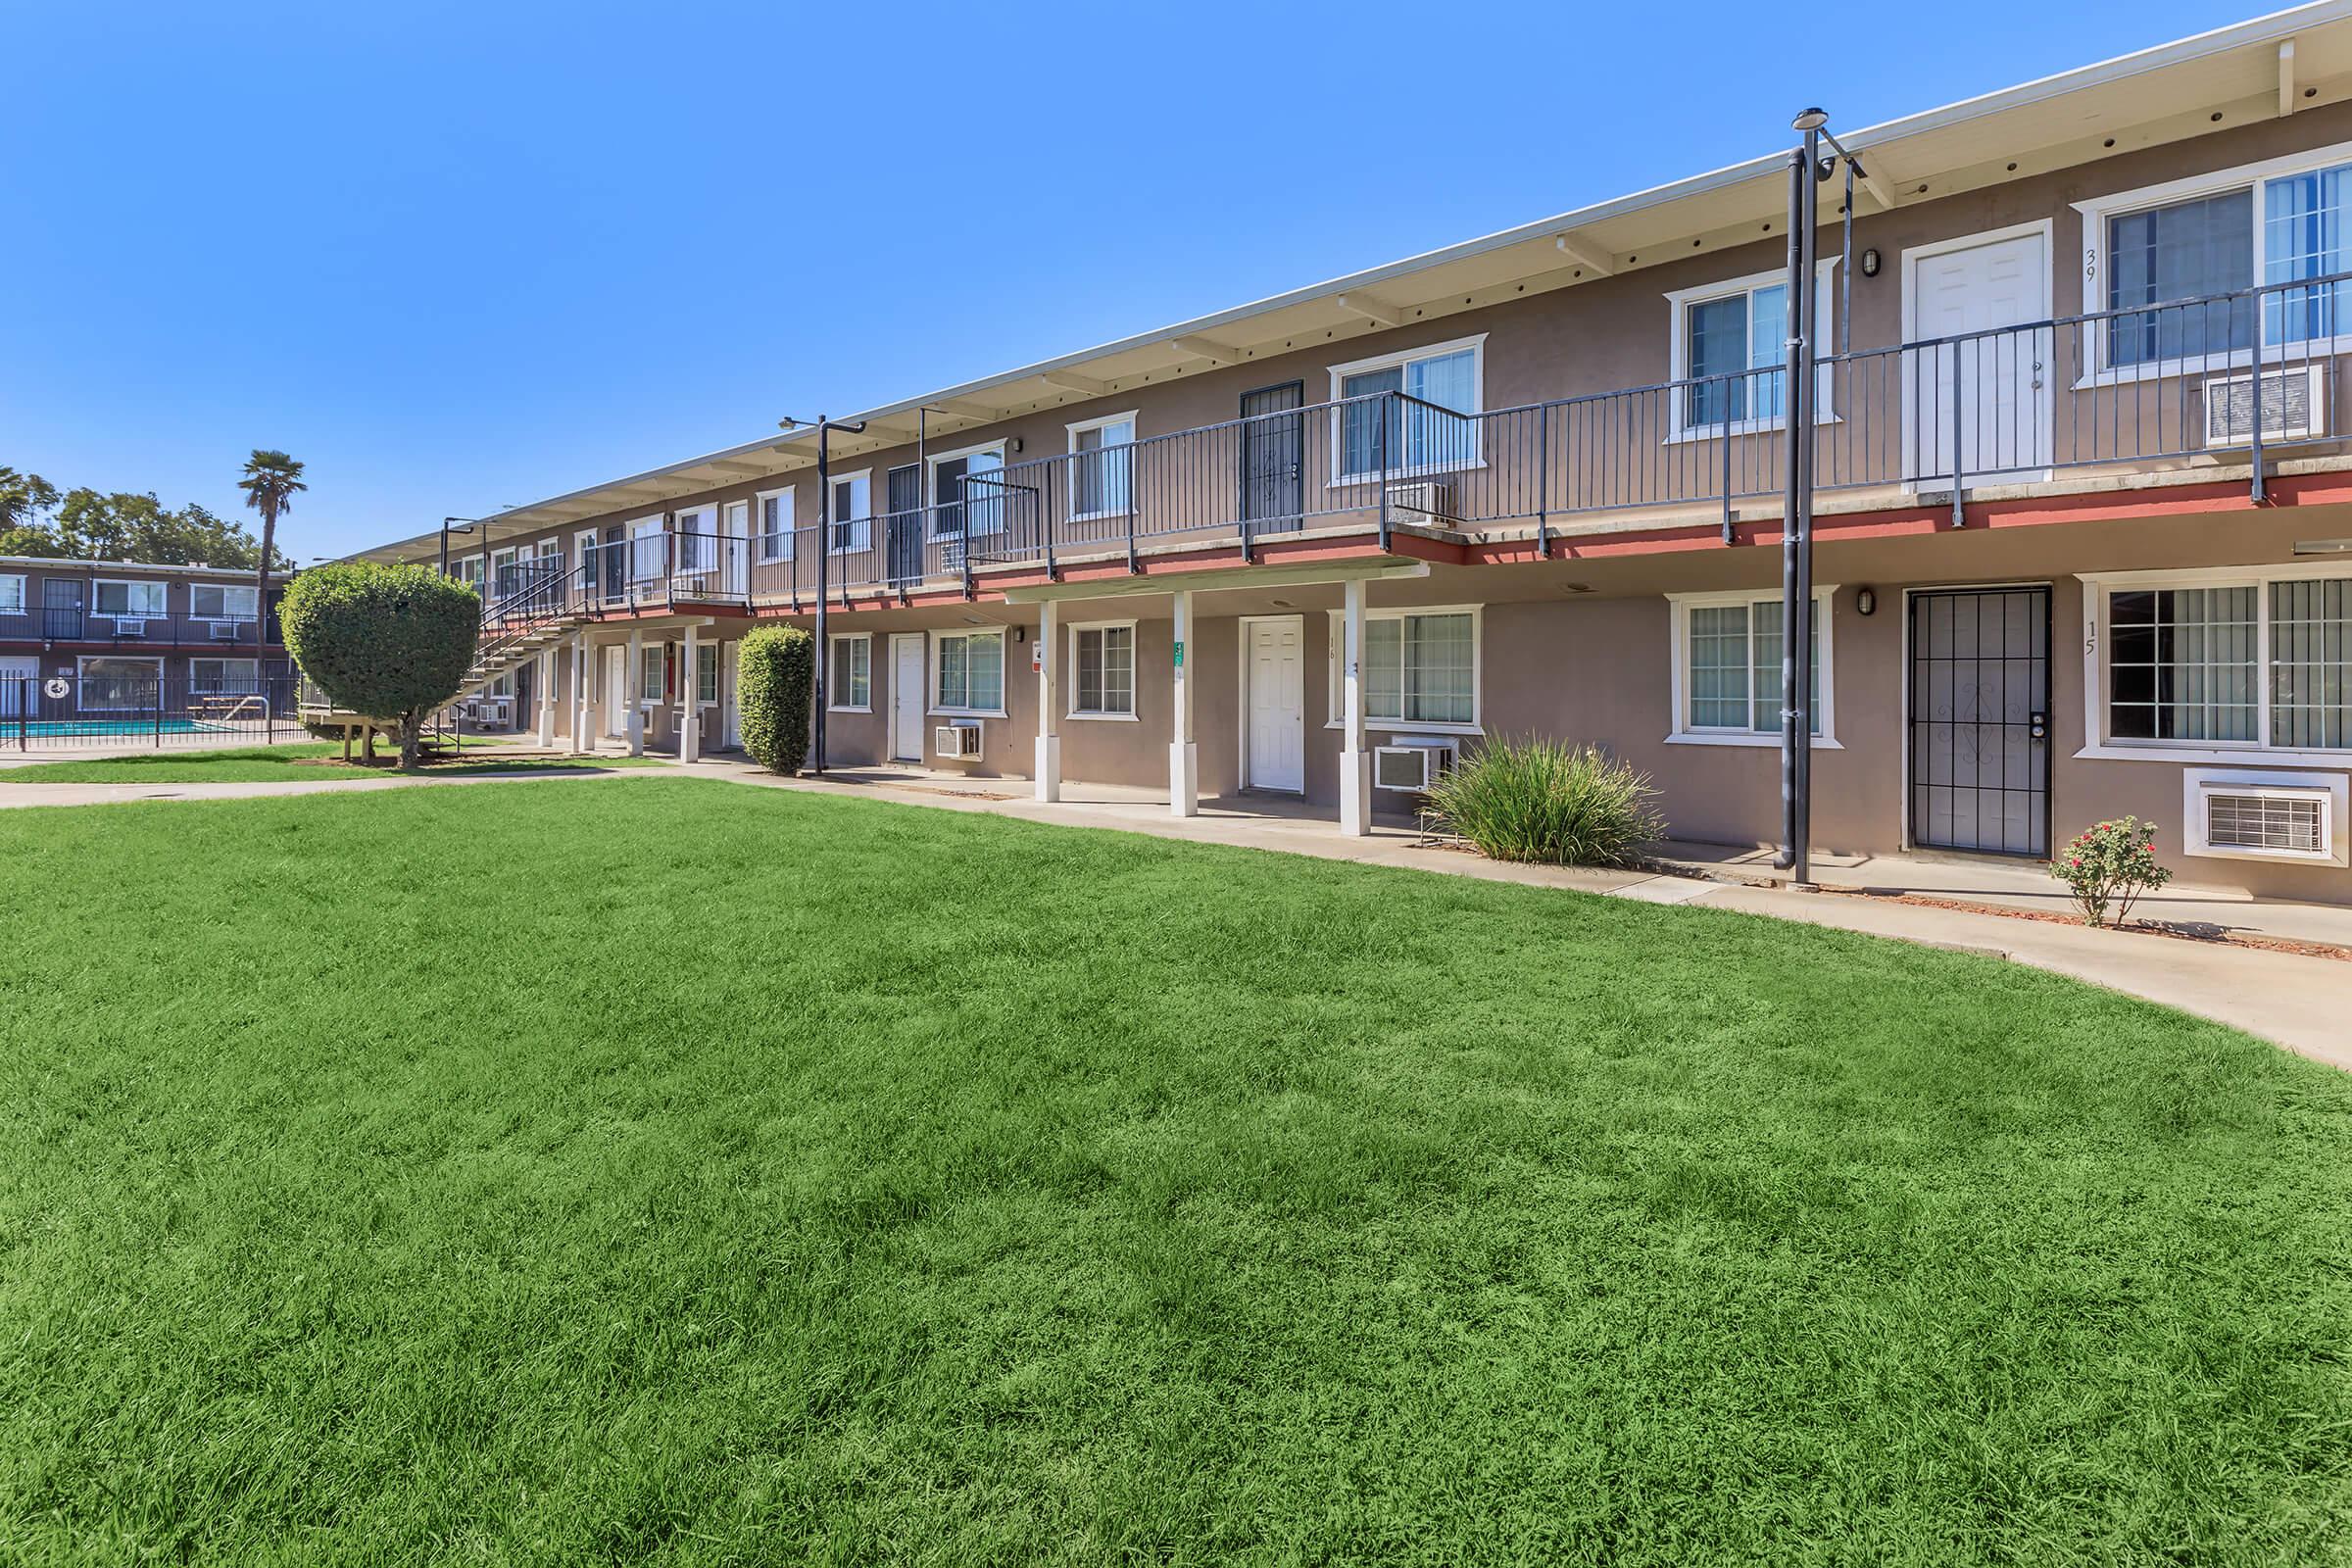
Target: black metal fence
x: 124, y: 710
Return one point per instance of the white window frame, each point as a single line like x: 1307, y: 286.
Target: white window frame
x: 861, y: 533
x: 584, y: 546
x: 17, y: 581
x: 81, y: 665
x: 651, y: 693
x: 1335, y: 648
x: 2100, y: 746
x: 468, y: 569
x: 787, y: 511
x: 1135, y: 673
x: 2334, y: 788
x: 1381, y: 362
x: 834, y: 690
x: 1682, y: 732
x: 1678, y: 354
x: 1078, y: 427
x: 679, y: 517
x: 637, y: 531
x: 252, y: 591
x: 252, y: 678
x: 711, y: 649
x: 939, y: 642
x: 164, y: 588
x: 2099, y: 211
x: 931, y: 462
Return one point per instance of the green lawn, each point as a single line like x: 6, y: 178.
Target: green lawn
x: 715, y: 1175
x: 300, y: 762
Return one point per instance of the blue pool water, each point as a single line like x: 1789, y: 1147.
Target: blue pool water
x: 41, y: 730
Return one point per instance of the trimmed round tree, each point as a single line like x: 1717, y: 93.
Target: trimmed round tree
x: 392, y: 643
x: 775, y: 670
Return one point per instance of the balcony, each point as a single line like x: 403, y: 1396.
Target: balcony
x: 2218, y: 388
x: 42, y: 623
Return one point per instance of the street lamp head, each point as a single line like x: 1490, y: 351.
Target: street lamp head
x: 1810, y: 120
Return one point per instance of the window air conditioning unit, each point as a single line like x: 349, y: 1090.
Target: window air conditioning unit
x: 2265, y: 816
x: 2294, y: 406
x: 224, y: 631
x: 1410, y: 765
x: 1423, y: 503
x: 130, y: 627
x: 961, y: 742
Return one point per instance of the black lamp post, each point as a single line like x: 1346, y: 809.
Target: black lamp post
x: 824, y: 548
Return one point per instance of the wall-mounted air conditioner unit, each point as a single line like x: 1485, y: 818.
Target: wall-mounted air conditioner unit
x: 129, y: 626
x: 226, y: 631
x: 1410, y: 765
x: 2294, y: 406
x: 2234, y: 814
x: 1423, y: 503
x: 959, y: 741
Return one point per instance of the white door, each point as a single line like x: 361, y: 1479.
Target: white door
x: 730, y: 722
x: 18, y: 695
x: 1276, y: 672
x: 616, y: 690
x: 908, y: 682
x: 1994, y: 386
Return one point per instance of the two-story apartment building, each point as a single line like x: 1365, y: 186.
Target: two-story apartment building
x: 89, y: 645
x: 2083, y: 513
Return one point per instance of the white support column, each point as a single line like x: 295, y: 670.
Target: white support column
x: 1049, y: 704
x: 580, y: 665
x: 546, y: 699
x: 690, y: 693
x: 1355, y: 762
x: 1184, y: 753
x: 633, y: 683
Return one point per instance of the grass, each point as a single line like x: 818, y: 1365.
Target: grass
x: 710, y: 1174
x: 298, y: 762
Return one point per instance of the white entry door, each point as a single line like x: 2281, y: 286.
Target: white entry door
x: 730, y: 723
x: 1276, y: 672
x: 1993, y: 385
x: 18, y: 695
x: 908, y: 682
x: 616, y: 690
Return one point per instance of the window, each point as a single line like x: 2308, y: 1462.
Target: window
x: 120, y: 685
x: 2252, y: 661
x: 591, y: 563
x: 208, y: 600
x: 129, y: 599
x: 1103, y: 671
x: 1102, y: 473
x: 214, y: 675
x: 850, y: 687
x: 1413, y: 433
x: 970, y: 677
x: 468, y: 569
x: 850, y: 515
x: 775, y: 525
x: 1420, y: 667
x: 1728, y: 351
x: 11, y: 596
x: 647, y: 547
x: 1726, y: 667
x: 653, y: 670
x: 696, y: 532
x: 706, y: 672
x: 2165, y: 251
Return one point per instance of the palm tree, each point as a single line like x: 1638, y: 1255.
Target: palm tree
x: 270, y: 480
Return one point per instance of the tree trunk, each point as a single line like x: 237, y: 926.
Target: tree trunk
x: 261, y: 596
x: 411, y: 732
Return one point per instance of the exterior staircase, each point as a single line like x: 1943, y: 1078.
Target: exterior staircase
x: 516, y: 628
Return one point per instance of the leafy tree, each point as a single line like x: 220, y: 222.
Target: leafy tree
x: 271, y: 479
x: 392, y: 643
x: 775, y: 670
x: 25, y: 500
x: 36, y: 519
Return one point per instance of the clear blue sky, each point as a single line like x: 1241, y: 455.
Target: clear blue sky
x: 457, y: 257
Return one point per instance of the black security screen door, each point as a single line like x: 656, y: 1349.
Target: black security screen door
x: 903, y: 500
x: 1980, y: 719
x: 61, y: 608
x: 1273, y: 457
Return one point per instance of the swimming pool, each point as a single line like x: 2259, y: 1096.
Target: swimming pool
x: 52, y: 729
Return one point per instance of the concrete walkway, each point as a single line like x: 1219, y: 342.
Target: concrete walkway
x: 2304, y: 1003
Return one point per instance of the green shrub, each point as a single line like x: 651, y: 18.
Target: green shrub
x: 391, y: 642
x: 2110, y: 863
x: 1539, y: 799
x: 774, y: 672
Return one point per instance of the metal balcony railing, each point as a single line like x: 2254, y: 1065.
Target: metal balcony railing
x: 75, y: 624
